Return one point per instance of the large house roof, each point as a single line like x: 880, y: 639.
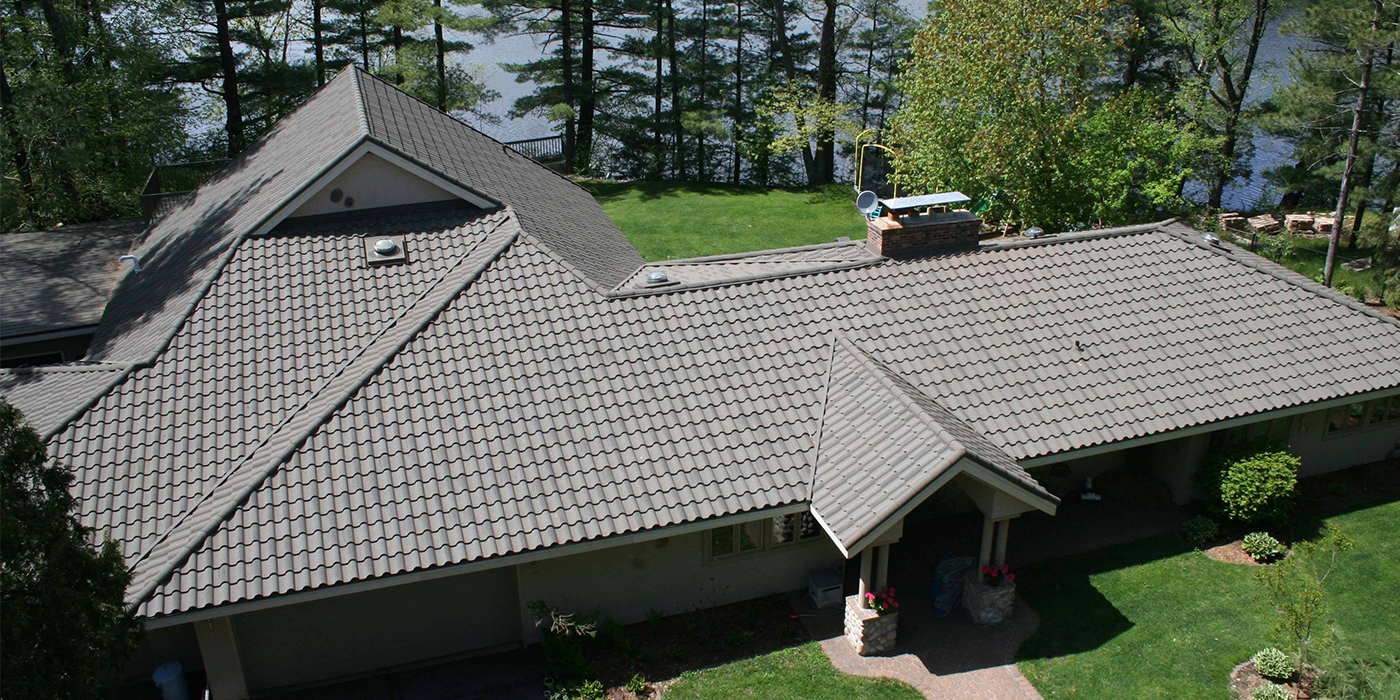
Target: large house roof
x: 285, y: 418
x: 60, y: 279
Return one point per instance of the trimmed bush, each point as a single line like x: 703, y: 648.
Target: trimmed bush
x: 1271, y: 692
x: 1253, y: 484
x: 1273, y: 664
x: 1261, y: 546
x: 1198, y: 530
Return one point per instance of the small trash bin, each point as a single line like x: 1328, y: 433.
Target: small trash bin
x: 170, y: 679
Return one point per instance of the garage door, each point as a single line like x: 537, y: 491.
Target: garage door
x: 348, y: 635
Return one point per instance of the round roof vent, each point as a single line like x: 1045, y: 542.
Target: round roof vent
x: 385, y: 246
x: 657, y: 277
x: 1035, y: 232
x: 1211, y: 239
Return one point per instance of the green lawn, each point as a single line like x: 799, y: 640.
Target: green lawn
x: 797, y: 673
x: 667, y: 220
x: 1151, y: 619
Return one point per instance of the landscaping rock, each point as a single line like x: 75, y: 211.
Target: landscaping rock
x: 868, y: 631
x: 988, y: 605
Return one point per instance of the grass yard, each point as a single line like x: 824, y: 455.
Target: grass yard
x: 1310, y: 255
x: 1151, y: 619
x: 797, y: 673
x: 667, y: 220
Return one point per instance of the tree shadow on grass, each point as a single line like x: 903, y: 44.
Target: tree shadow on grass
x: 1074, y: 616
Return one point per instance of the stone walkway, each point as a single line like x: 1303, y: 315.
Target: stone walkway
x: 947, y: 659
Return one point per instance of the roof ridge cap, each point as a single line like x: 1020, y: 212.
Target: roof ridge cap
x: 359, y: 96
x: 1075, y: 236
x: 1266, y: 266
x: 310, y: 415
x: 726, y: 257
x: 884, y: 375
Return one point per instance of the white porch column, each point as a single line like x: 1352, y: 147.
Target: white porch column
x: 222, y: 663
x: 865, y: 582
x: 1003, y: 529
x: 988, y: 534
x: 882, y: 566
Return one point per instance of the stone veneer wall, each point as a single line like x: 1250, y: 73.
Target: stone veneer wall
x: 886, y: 235
x: 987, y: 605
x: 868, y: 631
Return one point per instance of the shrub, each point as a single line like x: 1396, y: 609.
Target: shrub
x: 1198, y: 530
x: 1274, y: 664
x: 637, y: 685
x: 1252, y: 484
x: 1261, y: 546
x: 1271, y: 692
x: 582, y: 690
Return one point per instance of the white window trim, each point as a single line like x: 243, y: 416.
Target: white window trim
x: 1368, y: 410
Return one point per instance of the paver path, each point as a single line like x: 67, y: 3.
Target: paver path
x: 947, y: 659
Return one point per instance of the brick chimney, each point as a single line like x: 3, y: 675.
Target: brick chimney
x: 912, y: 222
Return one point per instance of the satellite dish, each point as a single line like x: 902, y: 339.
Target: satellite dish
x: 867, y: 202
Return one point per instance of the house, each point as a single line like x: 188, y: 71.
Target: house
x: 382, y: 382
x: 56, y: 284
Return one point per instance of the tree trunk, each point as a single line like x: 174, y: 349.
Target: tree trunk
x: 826, y: 90
x: 233, y: 108
x: 588, y: 101
x: 440, y: 48
x: 869, y: 70
x: 317, y: 43
x: 659, y: 156
x: 1236, y: 90
x: 1363, y: 89
x: 701, y: 166
x: 364, y: 39
x: 21, y: 155
x: 398, y: 59
x: 566, y: 66
x: 737, y: 116
x: 780, y: 35
x: 58, y: 32
x: 677, y: 137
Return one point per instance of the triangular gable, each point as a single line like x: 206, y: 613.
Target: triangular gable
x: 885, y: 447
x: 183, y: 251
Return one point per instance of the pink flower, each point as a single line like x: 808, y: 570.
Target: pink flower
x: 1010, y: 578
x: 891, y: 591
x: 871, y: 596
x: 988, y: 570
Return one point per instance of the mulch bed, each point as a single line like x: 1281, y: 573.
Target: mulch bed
x: 661, y: 649
x: 1244, y: 679
x: 1231, y: 553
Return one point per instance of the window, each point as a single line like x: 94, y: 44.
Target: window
x: 736, y: 539
x: 1346, y: 417
x: 1272, y: 432
x: 1356, y: 415
x: 1385, y: 410
x: 798, y: 527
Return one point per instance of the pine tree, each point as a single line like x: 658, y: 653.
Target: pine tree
x: 66, y: 633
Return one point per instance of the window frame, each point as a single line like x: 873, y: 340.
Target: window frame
x: 799, y: 520
x: 1370, y: 410
x: 734, y: 530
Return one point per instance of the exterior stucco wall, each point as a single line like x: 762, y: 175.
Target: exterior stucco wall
x: 360, y: 633
x: 1322, y: 452
x: 669, y: 576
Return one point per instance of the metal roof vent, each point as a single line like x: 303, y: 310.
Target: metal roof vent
x: 656, y: 278
x: 1212, y: 239
x: 1035, y: 232
x: 385, y: 250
